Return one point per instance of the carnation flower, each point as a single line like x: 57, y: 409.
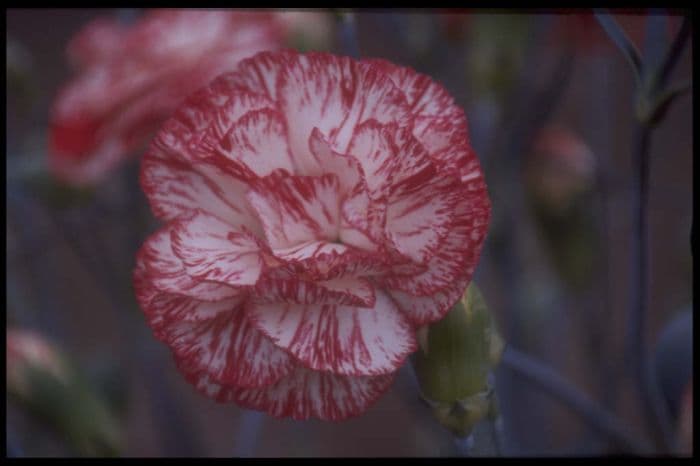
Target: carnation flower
x: 318, y: 210
x: 130, y: 78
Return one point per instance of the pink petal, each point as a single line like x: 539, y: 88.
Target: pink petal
x: 321, y: 260
x: 340, y: 339
x: 424, y: 96
x: 228, y: 350
x: 334, y: 94
x: 349, y: 291
x: 258, y: 74
x: 213, y: 250
x: 297, y: 209
x: 166, y: 273
x: 206, y: 116
x: 176, y: 189
x: 259, y: 141
x: 347, y: 169
x: 424, y: 310
x: 447, y: 142
x: 421, y: 204
x: 303, y: 394
x: 457, y: 254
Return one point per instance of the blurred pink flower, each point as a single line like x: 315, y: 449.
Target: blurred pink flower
x: 27, y: 350
x: 319, y: 210
x: 560, y: 166
x: 130, y: 78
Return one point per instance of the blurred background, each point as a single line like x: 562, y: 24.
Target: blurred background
x: 550, y: 105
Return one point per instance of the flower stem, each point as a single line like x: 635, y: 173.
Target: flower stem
x: 636, y: 351
x: 551, y: 382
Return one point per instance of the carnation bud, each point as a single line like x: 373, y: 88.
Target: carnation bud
x: 560, y: 167
x: 45, y: 383
x: 453, y: 366
x: 560, y: 178
x: 27, y: 351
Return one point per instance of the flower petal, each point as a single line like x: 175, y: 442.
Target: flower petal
x: 334, y: 94
x: 321, y: 260
x: 349, y: 291
x: 303, y: 394
x: 166, y: 272
x: 424, y: 310
x: 175, y: 188
x: 421, y: 203
x: 213, y: 250
x: 457, y: 254
x: 297, y: 209
x: 229, y: 350
x: 259, y: 141
x: 424, y: 96
x: 340, y: 339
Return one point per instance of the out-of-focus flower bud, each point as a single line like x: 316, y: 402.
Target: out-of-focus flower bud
x: 560, y: 176
x: 307, y: 29
x: 28, y: 352
x: 453, y: 366
x: 560, y: 168
x: 41, y: 378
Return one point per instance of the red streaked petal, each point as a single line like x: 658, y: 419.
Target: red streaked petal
x: 297, y: 209
x: 301, y: 395
x: 258, y: 74
x: 340, y: 339
x: 457, y: 254
x: 167, y: 274
x: 259, y: 141
x: 307, y: 394
x: 206, y: 115
x: 424, y: 310
x: 321, y: 260
x: 228, y: 350
x: 213, y: 250
x: 334, y: 94
x: 347, y: 169
x: 424, y: 96
x: 373, y: 146
x: 420, y: 200
x: 349, y: 291
x: 176, y: 189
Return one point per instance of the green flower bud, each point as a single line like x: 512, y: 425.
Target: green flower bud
x: 453, y: 366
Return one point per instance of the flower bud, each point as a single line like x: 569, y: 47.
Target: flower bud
x: 44, y: 382
x: 453, y: 366
x: 560, y: 167
x: 28, y: 352
x: 560, y: 179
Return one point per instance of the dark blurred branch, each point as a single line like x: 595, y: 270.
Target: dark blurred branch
x: 673, y: 55
x: 652, y: 102
x: 552, y: 383
x: 620, y: 39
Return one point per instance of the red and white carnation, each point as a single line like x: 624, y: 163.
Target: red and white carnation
x: 130, y: 79
x: 318, y: 210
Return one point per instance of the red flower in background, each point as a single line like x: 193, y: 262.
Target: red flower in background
x: 131, y: 78
x: 319, y: 210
